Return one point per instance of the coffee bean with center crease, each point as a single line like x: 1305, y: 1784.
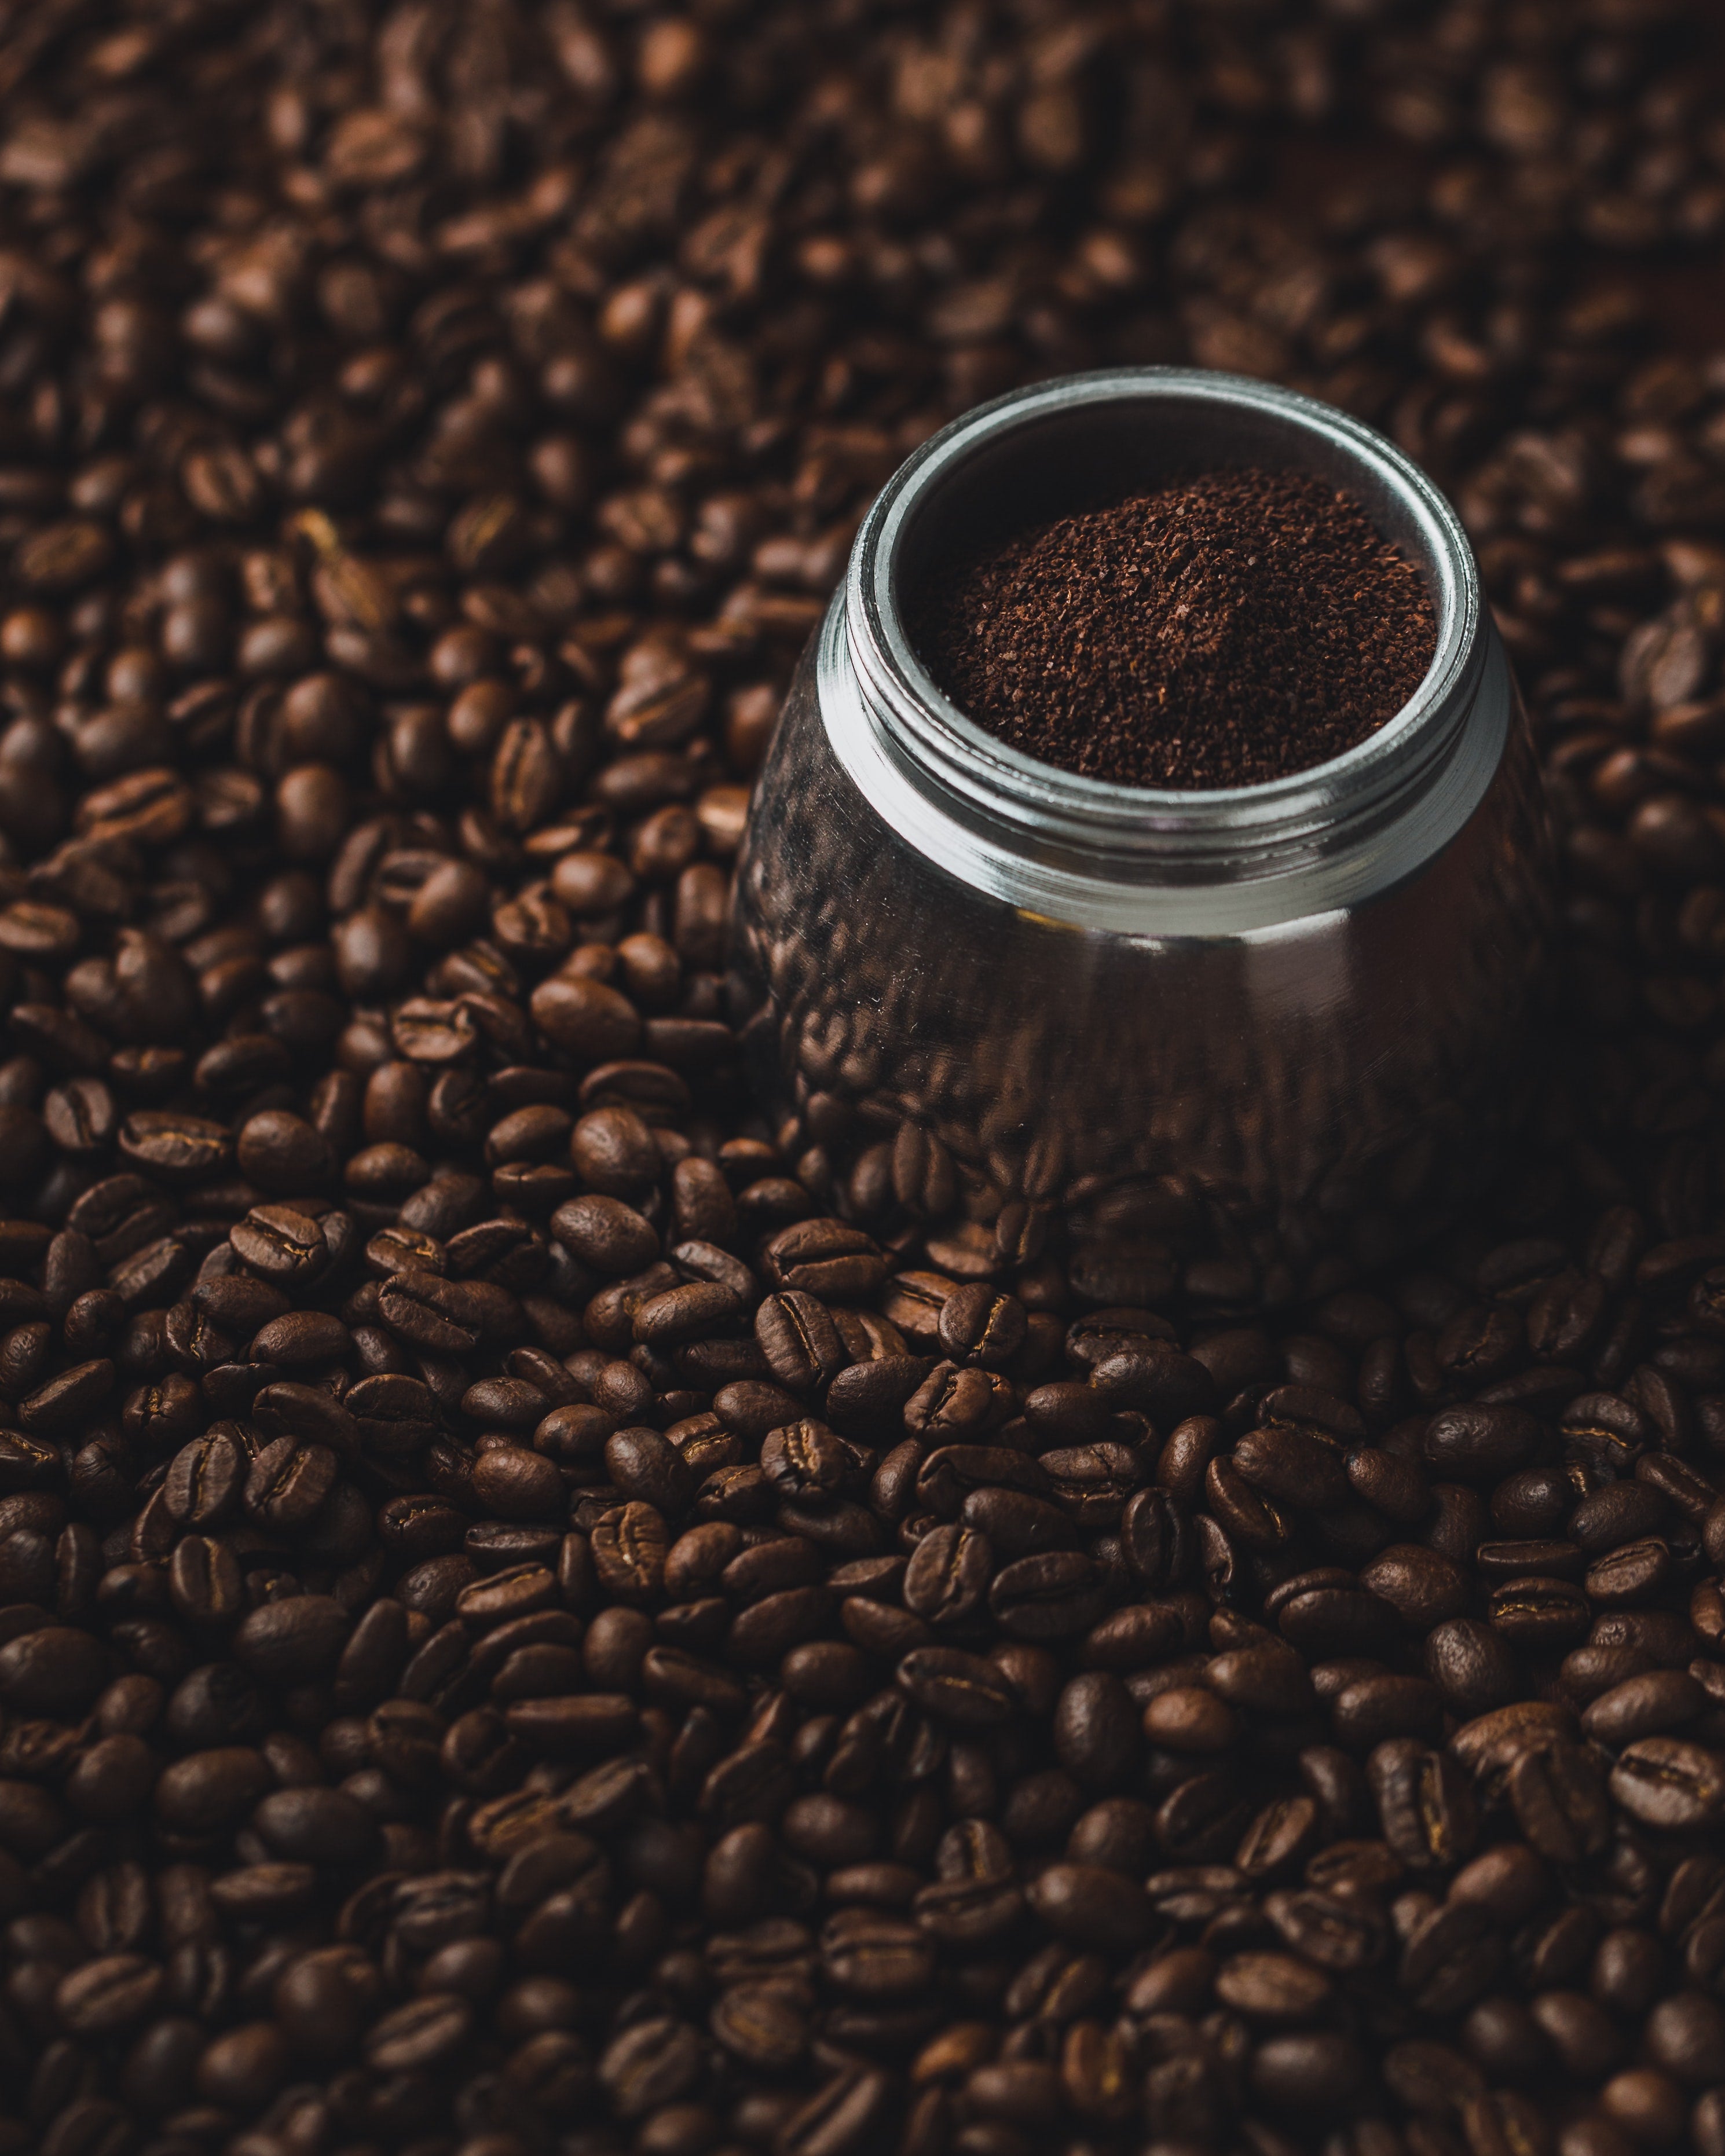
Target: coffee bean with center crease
x: 280, y: 1242
x: 1538, y: 1612
x: 179, y: 1148
x: 1668, y: 1781
x: 205, y: 1480
x: 1558, y: 1794
x: 806, y: 1460
x: 977, y: 1324
x: 1605, y: 1432
x: 948, y: 1574
x: 65, y: 1400
x: 205, y: 1582
x: 955, y: 1405
x: 1278, y: 1836
x: 1620, y: 1512
x: 1424, y: 1804
x: 960, y: 1688
x: 1632, y: 1573
x: 799, y: 1340
x: 684, y: 1313
x: 1053, y: 1596
x: 825, y: 1258
x: 109, y: 1994
x: 1289, y: 1466
x: 628, y: 1545
x: 288, y: 1483
x: 441, y: 1316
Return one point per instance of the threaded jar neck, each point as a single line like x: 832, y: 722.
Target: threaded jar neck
x: 1141, y: 855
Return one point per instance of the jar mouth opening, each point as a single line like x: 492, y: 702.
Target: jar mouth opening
x: 1037, y: 454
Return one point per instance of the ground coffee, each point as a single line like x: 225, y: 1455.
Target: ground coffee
x: 1221, y: 632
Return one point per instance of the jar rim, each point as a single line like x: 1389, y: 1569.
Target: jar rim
x: 1098, y: 829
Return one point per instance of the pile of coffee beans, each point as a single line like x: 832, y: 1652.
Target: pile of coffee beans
x: 1226, y: 629
x: 539, y: 1617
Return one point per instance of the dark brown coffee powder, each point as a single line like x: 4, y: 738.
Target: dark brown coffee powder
x: 1225, y: 631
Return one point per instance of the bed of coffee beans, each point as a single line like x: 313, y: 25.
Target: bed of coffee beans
x: 1230, y: 628
x: 537, y: 1616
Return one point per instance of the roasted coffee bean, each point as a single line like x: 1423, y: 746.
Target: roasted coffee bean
x: 1308, y: 2072
x: 205, y: 1480
x: 1620, y: 1512
x: 977, y: 1324
x: 948, y: 1574
x: 1278, y: 1837
x: 1053, y: 1596
x: 1188, y: 1718
x: 957, y: 1687
x: 509, y: 1482
x: 799, y: 1340
x: 1632, y: 1573
x: 1480, y: 1444
x: 281, y: 1243
x: 865, y: 1400
x: 51, y: 1667
x: 1095, y: 1730
x: 1091, y: 1905
x: 645, y: 1465
x: 1668, y: 1781
x: 1376, y: 1707
x: 1644, y: 1704
x: 1425, y: 1588
x: 1155, y: 1378
x: 1685, y: 2036
x: 957, y: 1405
x: 1471, y: 1665
x: 288, y: 1483
x: 1538, y: 1612
x: 1267, y: 1676
x: 1558, y: 1794
x: 1605, y: 1432
x: 806, y: 1460
x: 292, y: 1640
x: 1424, y: 1802
x: 628, y: 1545
x: 205, y: 1582
x: 1289, y: 1466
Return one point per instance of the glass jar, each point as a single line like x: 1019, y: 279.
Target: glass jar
x: 1282, y: 1029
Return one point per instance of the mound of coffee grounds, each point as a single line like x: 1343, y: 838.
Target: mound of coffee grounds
x: 1221, y: 632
